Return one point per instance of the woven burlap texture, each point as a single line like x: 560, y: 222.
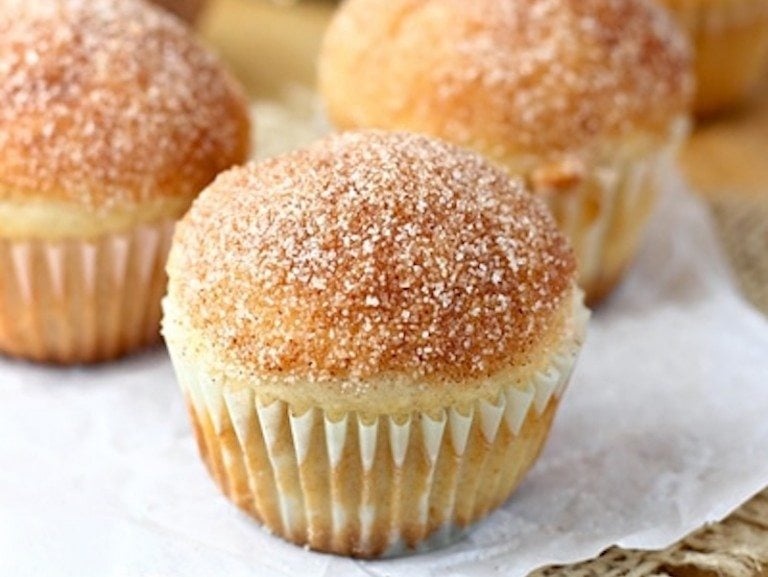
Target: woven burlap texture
x: 735, y: 547
x: 743, y: 229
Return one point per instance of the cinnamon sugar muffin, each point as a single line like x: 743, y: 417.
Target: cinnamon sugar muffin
x: 731, y: 42
x: 372, y: 335
x: 112, y: 119
x: 587, y: 99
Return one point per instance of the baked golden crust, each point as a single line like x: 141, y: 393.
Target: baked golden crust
x: 55, y: 221
x: 509, y: 77
x: 110, y: 104
x: 371, y: 253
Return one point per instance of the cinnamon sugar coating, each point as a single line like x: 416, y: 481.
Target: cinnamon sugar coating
x: 111, y: 103
x: 370, y: 253
x: 507, y: 77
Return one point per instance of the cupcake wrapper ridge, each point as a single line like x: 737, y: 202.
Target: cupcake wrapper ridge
x: 78, y: 301
x: 605, y: 214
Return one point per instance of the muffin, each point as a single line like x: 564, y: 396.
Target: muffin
x: 586, y: 99
x: 187, y: 10
x: 372, y: 335
x: 112, y: 119
x: 731, y: 43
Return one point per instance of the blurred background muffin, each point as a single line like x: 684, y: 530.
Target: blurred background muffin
x: 588, y: 99
x: 112, y: 119
x: 731, y: 44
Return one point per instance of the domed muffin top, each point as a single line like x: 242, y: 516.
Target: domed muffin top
x: 111, y: 103
x: 370, y: 253
x: 507, y: 77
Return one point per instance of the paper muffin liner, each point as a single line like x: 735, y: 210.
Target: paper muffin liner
x: 731, y: 43
x: 77, y: 301
x: 605, y: 213
x: 369, y: 485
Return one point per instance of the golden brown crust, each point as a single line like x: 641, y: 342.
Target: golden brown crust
x: 507, y: 77
x: 371, y: 253
x: 109, y: 104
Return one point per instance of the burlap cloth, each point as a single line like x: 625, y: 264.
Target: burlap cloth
x: 743, y: 230
x: 735, y: 547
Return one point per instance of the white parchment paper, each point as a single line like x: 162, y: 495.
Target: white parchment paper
x: 664, y: 427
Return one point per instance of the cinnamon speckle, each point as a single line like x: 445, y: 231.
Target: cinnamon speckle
x: 507, y: 77
x: 110, y: 103
x: 366, y: 253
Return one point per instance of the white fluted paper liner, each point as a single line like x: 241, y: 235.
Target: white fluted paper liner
x: 605, y: 215
x: 370, y: 485
x: 80, y: 301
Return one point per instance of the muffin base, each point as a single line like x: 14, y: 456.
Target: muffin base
x: 78, y: 301
x: 731, y: 44
x: 426, y: 502
x: 369, y: 484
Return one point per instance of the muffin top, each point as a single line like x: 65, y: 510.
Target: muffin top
x: 507, y: 77
x: 367, y: 254
x: 109, y: 104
